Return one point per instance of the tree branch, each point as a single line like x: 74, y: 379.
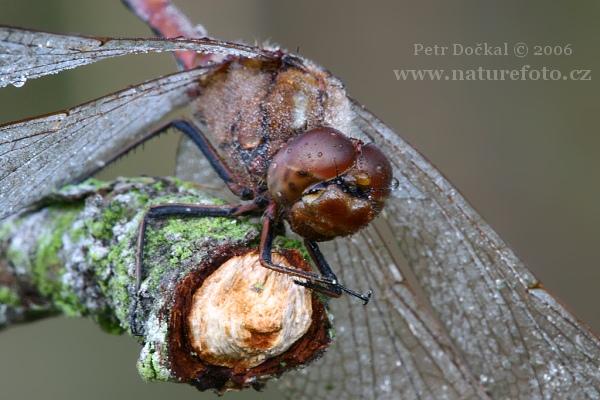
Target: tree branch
x: 76, y: 254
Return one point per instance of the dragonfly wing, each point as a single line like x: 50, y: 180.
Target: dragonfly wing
x: 40, y: 154
x: 389, y: 349
x: 515, y: 337
x: 27, y: 54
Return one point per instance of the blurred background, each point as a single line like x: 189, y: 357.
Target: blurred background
x: 524, y: 153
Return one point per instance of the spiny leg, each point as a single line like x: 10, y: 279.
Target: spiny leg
x: 325, y: 269
x: 200, y: 140
x: 330, y: 286
x: 183, y: 210
x: 180, y: 210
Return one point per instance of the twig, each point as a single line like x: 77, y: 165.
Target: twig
x: 76, y: 254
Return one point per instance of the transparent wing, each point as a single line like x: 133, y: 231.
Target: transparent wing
x: 390, y: 349
x: 27, y: 54
x: 513, y: 337
x: 40, y: 154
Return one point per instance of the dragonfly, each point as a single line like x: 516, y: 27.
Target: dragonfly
x: 410, y: 352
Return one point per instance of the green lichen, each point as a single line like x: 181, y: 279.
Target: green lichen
x: 103, y: 229
x: 153, y: 365
x: 9, y: 297
x: 282, y: 242
x: 199, y: 228
x: 93, y: 183
x: 158, y: 185
x: 113, y: 268
x: 108, y: 323
x: 331, y: 332
x: 176, y: 242
x: 97, y: 229
x: 116, y: 265
x: 47, y: 268
x: 258, y: 287
x: 146, y: 369
x: 150, y: 367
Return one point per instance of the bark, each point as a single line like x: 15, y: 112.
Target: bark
x: 76, y: 254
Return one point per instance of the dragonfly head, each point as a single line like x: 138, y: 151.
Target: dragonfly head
x: 329, y: 185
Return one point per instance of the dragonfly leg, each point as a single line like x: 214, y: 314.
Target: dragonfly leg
x: 200, y: 140
x: 181, y: 210
x: 325, y: 269
x: 184, y: 210
x: 327, y: 281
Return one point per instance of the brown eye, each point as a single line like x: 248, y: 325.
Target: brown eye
x: 374, y: 172
x: 345, y: 204
x: 317, y: 155
x: 329, y: 185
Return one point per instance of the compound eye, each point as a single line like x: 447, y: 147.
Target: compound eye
x: 374, y: 172
x: 317, y: 155
x: 346, y: 203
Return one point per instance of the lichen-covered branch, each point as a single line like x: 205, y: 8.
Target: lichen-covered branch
x: 77, y: 255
